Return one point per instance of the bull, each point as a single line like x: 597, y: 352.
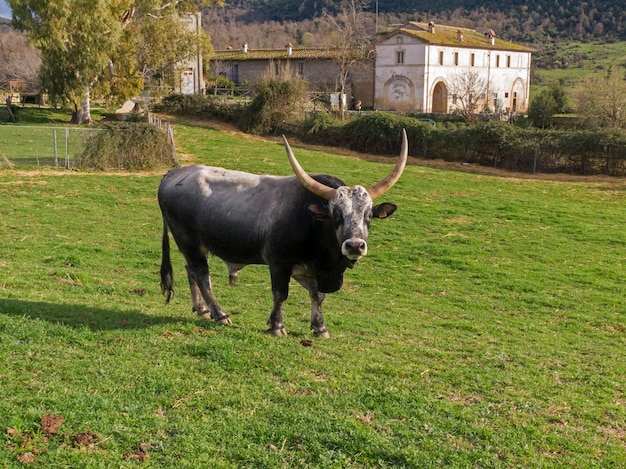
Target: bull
x: 309, y: 227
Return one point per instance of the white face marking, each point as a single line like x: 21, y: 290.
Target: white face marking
x: 351, y: 209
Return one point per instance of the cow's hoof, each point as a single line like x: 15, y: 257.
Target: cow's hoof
x: 320, y: 331
x: 281, y: 332
x: 226, y: 321
x: 204, y: 314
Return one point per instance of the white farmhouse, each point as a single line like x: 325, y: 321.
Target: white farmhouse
x: 420, y: 68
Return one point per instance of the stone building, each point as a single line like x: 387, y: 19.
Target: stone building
x: 418, y: 67
x: 415, y: 68
x: 317, y: 66
x: 191, y: 80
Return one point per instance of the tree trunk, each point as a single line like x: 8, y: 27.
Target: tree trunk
x: 9, y: 109
x: 82, y: 114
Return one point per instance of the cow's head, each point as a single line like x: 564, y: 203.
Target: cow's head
x: 350, y: 208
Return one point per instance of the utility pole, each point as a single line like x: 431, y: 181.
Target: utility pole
x: 376, y: 16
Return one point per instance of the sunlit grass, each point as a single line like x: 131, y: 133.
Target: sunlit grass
x: 484, y: 329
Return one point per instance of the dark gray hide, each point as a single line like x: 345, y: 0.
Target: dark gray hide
x: 249, y: 219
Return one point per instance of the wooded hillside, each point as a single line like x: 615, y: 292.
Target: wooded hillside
x: 518, y: 20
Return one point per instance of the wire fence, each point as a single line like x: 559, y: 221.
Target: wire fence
x: 30, y: 146
x: 34, y: 146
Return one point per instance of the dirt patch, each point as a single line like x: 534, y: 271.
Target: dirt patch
x: 140, y: 453
x: 85, y: 439
x: 51, y: 423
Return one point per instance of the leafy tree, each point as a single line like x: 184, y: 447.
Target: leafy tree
x: 79, y: 39
x: 542, y: 109
x: 601, y: 101
x: 559, y: 94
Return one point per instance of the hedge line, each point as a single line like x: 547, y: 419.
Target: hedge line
x: 497, y: 144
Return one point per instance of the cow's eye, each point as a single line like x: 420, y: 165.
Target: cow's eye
x: 337, y: 215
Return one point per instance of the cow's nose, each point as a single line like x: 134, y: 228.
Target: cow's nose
x: 354, y: 248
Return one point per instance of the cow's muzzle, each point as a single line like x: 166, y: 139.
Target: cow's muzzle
x: 354, y: 248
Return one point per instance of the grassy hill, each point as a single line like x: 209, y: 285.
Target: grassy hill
x: 569, y: 62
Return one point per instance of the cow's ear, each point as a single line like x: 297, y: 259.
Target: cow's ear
x: 319, y: 212
x: 384, y: 210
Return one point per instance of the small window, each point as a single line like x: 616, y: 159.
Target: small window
x: 508, y: 61
x: 456, y: 58
x: 473, y: 59
x: 497, y: 60
x: 440, y: 57
x: 300, y: 68
x: 399, y: 56
x: 399, y: 40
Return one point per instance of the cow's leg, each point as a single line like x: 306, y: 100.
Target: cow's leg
x: 280, y: 292
x: 201, y: 289
x: 233, y: 272
x: 196, y: 297
x: 317, y: 297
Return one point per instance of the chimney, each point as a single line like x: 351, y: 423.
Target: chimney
x: 459, y: 35
x: 289, y: 49
x: 490, y: 34
x: 244, y: 48
x: 431, y: 27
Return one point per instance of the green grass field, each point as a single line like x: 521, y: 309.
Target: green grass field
x: 486, y: 328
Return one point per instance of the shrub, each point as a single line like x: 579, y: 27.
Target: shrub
x: 322, y: 128
x: 209, y: 107
x: 542, y: 109
x: 277, y: 101
x: 126, y: 146
x: 381, y: 133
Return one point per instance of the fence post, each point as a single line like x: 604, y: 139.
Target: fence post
x: 56, y: 150
x: 170, y: 137
x: 67, y: 149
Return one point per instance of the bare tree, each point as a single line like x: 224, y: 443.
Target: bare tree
x: 470, y: 93
x: 18, y: 60
x: 601, y: 101
x: 351, y: 40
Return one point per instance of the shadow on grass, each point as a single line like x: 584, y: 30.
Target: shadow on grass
x: 97, y: 319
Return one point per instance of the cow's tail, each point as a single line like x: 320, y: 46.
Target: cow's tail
x: 167, y: 278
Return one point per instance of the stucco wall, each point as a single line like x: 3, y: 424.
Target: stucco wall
x: 409, y: 86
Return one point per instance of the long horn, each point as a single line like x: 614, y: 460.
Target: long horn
x: 307, y: 181
x: 383, y: 186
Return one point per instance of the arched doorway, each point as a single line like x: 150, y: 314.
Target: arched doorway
x: 440, y: 98
x: 518, y: 101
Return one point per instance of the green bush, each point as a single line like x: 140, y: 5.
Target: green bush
x: 322, y: 128
x: 205, y: 106
x: 126, y: 146
x: 381, y: 133
x: 276, y: 102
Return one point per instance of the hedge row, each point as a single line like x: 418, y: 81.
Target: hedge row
x: 497, y: 144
